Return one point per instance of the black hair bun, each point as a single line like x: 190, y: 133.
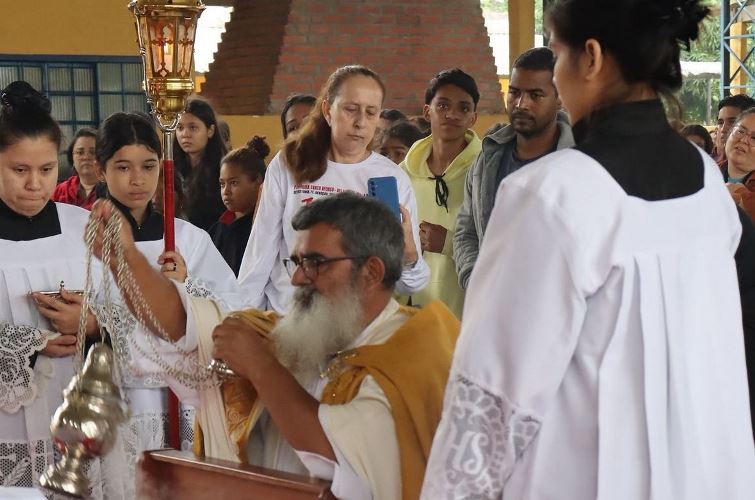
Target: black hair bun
x: 685, y: 17
x: 21, y: 99
x: 259, y: 146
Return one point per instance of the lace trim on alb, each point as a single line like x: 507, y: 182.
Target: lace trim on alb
x: 17, y: 344
x: 22, y: 463
x: 123, y: 325
x: 480, y: 439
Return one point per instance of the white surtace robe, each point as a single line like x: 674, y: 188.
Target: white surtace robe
x: 601, y: 354
x: 146, y: 391
x: 29, y: 396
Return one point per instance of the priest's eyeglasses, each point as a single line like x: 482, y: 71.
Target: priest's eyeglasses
x: 311, y: 265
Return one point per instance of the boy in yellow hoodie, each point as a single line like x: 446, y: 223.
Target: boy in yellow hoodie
x: 437, y: 167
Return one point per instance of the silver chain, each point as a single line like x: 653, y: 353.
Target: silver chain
x: 187, y: 369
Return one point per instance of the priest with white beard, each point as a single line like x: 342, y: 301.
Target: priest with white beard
x: 347, y: 387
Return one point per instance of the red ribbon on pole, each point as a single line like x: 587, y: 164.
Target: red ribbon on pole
x: 169, y: 193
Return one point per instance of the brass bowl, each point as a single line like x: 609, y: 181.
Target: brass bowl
x: 55, y: 294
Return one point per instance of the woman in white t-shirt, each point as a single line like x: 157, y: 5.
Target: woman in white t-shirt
x: 329, y: 155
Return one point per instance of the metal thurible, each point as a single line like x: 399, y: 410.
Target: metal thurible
x: 86, y: 424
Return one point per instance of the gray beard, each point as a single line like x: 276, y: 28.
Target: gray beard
x: 315, y: 328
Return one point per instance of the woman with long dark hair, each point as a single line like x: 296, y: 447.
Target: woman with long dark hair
x: 198, y: 148
x: 601, y: 353
x: 328, y: 155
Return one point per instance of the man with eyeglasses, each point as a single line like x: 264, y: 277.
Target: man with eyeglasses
x: 437, y: 166
x: 537, y: 128
x: 348, y: 386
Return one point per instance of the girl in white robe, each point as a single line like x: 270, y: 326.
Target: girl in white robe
x: 601, y: 353
x: 128, y: 155
x: 41, y: 245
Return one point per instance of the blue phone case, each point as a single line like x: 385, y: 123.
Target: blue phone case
x: 385, y: 189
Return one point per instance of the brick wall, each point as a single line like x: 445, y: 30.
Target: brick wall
x: 272, y: 49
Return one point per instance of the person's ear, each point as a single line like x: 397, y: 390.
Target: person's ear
x: 426, y: 112
x: 592, y: 60
x: 100, y: 172
x: 373, y: 272
x: 326, y: 110
x: 474, y: 120
x: 211, y: 131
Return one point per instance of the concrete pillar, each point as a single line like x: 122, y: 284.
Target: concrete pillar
x: 521, y: 27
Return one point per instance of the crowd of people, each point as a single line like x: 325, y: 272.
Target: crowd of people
x: 565, y: 307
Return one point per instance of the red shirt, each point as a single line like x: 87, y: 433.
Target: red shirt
x: 71, y: 192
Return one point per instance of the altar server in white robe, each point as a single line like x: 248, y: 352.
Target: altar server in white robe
x: 41, y: 246
x: 601, y: 353
x: 128, y: 155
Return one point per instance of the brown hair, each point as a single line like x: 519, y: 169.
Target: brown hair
x: 307, y: 154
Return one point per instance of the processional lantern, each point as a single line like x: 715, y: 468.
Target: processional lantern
x: 166, y: 30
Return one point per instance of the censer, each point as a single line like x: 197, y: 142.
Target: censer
x: 86, y: 424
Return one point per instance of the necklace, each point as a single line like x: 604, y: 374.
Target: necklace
x: 337, y: 364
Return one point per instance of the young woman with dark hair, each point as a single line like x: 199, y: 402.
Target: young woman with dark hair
x: 198, y: 149
x: 41, y: 247
x: 329, y: 154
x: 83, y: 188
x: 601, y: 354
x: 128, y: 156
x: 241, y: 174
x: 296, y: 108
x: 700, y: 136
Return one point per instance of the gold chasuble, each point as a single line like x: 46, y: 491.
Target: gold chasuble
x: 411, y: 368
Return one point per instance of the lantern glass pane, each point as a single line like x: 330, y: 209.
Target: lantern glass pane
x: 161, y: 45
x: 186, y: 33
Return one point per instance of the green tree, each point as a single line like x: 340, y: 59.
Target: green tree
x: 694, y: 94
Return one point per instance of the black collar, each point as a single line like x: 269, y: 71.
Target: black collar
x: 17, y: 227
x: 629, y: 119
x: 151, y: 229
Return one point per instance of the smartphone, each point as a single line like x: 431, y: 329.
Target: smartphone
x: 385, y: 189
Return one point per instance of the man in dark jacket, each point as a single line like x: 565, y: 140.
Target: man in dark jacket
x: 537, y: 128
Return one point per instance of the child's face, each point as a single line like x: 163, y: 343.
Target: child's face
x: 132, y: 174
x: 238, y: 191
x: 393, y: 149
